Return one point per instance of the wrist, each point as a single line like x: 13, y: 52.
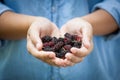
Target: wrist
x: 87, y: 23
x: 13, y: 24
x: 88, y: 20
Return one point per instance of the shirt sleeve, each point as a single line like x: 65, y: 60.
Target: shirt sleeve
x: 113, y: 8
x: 3, y: 8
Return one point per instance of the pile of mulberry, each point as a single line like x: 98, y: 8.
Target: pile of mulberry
x: 61, y: 46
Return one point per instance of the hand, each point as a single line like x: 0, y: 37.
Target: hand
x: 38, y: 29
x: 84, y: 29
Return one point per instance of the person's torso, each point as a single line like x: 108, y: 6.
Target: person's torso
x: 17, y: 64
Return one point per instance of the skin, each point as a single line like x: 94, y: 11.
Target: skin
x: 97, y: 23
x: 84, y: 29
x: 12, y: 24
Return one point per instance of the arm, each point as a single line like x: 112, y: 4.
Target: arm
x: 102, y: 22
x: 14, y: 26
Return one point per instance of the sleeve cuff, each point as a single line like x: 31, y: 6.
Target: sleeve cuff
x: 4, y: 8
x: 113, y: 8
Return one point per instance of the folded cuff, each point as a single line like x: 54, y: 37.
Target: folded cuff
x: 113, y: 8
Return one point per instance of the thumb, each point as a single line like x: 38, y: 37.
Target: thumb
x: 86, y: 42
x: 35, y: 38
x: 87, y: 35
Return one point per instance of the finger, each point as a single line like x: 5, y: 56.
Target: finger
x: 87, y: 35
x: 71, y: 57
x: 59, y: 62
x: 68, y: 63
x: 38, y: 54
x: 35, y: 37
x: 51, y: 62
x: 31, y: 48
x: 82, y: 52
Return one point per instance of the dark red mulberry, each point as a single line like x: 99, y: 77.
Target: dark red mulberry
x: 46, y: 39
x: 61, y: 45
x: 67, y: 35
x: 67, y: 47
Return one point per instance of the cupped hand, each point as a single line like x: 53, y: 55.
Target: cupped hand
x: 82, y: 28
x: 36, y: 31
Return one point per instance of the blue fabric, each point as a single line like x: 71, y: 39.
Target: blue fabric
x: 3, y: 8
x: 102, y: 64
x: 112, y: 8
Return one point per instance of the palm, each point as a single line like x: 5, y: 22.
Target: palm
x: 83, y: 29
x: 37, y: 30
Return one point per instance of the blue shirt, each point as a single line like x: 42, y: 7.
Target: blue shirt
x: 101, y: 64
